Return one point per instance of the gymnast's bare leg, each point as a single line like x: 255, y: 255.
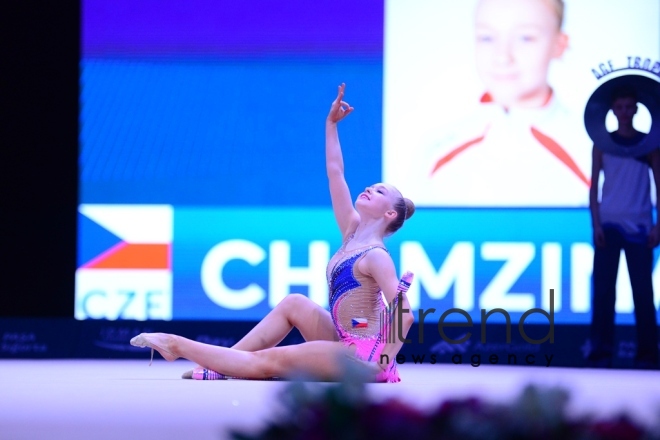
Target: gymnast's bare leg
x: 295, y: 310
x: 318, y: 359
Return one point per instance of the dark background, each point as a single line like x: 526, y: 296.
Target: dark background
x: 39, y: 155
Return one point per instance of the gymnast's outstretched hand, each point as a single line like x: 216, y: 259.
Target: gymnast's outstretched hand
x: 339, y: 108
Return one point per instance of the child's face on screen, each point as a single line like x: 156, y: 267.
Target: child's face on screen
x: 515, y: 42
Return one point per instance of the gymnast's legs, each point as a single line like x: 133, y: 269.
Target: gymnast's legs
x: 318, y: 359
x: 295, y: 310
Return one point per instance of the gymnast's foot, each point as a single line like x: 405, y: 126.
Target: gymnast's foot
x: 161, y: 342
x: 188, y: 374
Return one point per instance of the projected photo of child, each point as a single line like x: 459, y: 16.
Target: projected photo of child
x: 484, y: 99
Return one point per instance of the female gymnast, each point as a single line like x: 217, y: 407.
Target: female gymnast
x: 357, y: 274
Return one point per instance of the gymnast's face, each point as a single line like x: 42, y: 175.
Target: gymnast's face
x: 515, y: 42
x: 377, y: 199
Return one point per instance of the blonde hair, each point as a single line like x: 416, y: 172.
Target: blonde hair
x: 404, y: 208
x: 558, y: 8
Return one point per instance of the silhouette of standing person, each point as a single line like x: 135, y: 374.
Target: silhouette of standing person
x: 623, y: 220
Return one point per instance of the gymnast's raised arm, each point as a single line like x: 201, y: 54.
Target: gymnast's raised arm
x: 342, y: 203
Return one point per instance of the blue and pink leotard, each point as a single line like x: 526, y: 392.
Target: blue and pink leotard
x: 358, y: 308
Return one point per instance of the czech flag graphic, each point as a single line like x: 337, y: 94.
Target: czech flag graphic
x: 125, y: 237
x: 124, y: 262
x: 359, y: 322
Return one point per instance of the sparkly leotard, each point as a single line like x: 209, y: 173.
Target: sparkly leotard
x: 357, y: 307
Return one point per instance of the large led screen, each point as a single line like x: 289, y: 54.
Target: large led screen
x: 203, y: 190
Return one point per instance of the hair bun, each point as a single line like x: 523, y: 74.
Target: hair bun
x: 410, y: 208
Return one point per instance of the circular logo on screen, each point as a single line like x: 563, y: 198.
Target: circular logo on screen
x: 635, y: 89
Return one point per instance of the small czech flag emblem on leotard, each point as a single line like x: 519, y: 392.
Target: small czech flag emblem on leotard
x: 359, y: 322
